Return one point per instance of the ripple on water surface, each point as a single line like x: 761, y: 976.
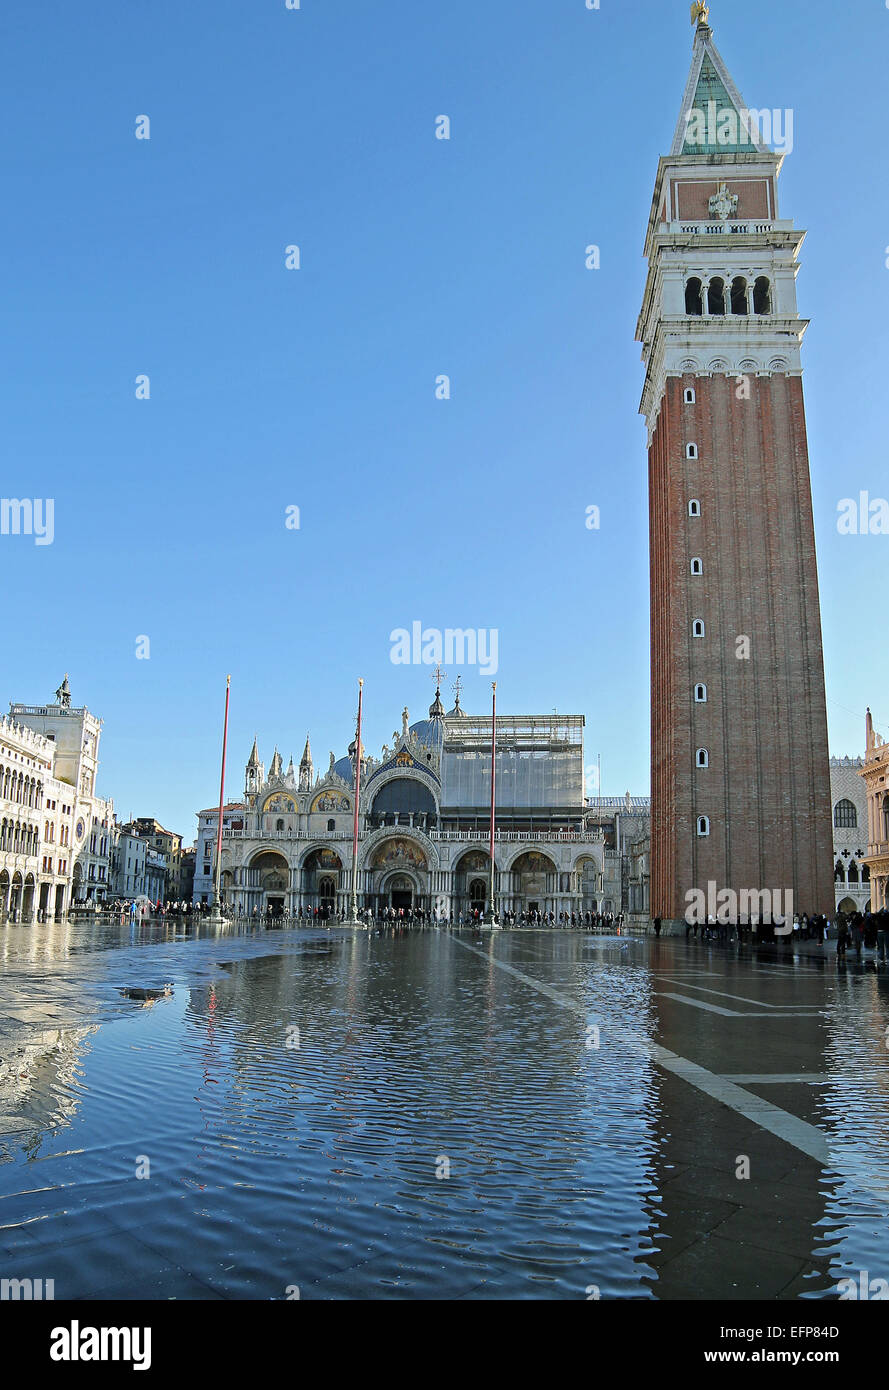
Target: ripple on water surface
x: 365, y: 1117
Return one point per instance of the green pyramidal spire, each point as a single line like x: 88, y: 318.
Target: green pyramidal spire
x: 714, y: 118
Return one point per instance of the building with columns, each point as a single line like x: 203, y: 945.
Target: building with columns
x: 875, y: 773
x: 205, y: 845
x: 34, y: 826
x: 850, y: 838
x: 740, y: 766
x: 423, y: 823
x: 76, y: 826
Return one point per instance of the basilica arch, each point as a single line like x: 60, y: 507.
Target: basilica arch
x: 322, y: 880
x: 403, y: 796
x: 262, y: 887
x: 531, y: 883
x: 399, y: 870
x: 586, y: 872
x: 472, y: 880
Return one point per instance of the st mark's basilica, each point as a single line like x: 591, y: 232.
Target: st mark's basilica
x: 424, y: 818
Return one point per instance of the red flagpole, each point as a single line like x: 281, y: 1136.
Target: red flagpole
x: 493, y: 784
x: 354, y: 913
x: 228, y: 681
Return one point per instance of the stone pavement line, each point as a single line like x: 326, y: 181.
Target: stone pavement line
x: 798, y: 1133
x: 734, y: 1013
x: 724, y: 994
x: 780, y: 1078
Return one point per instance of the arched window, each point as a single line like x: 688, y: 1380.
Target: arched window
x: 697, y: 628
x: 739, y: 295
x: 853, y: 872
x: 700, y: 694
x: 703, y: 826
x: 694, y: 299
x: 886, y: 817
x: 331, y: 825
x: 697, y: 565
x: 702, y: 758
x: 694, y: 507
x: 845, y: 816
x: 689, y: 396
x: 716, y: 296
x: 762, y: 296
x: 839, y: 873
x: 279, y: 825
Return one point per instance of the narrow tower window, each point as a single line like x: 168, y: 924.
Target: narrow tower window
x: 703, y: 826
x: 716, y: 297
x: 700, y: 694
x: 702, y: 758
x: 690, y: 397
x: 697, y: 566
x: 694, y: 507
x: 739, y: 295
x: 697, y: 628
x: 691, y: 451
x: 762, y: 296
x: 694, y: 299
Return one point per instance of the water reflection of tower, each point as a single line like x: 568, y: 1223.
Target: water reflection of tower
x: 718, y: 1234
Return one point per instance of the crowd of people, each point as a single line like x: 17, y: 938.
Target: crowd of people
x: 863, y: 931
x: 422, y: 917
x: 141, y: 910
x: 860, y: 931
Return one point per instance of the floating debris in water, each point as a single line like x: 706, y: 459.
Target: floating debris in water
x: 146, y: 996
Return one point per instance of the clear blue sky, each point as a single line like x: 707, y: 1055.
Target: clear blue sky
x: 315, y: 388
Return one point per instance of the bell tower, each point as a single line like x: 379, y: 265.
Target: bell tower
x: 254, y: 776
x: 740, y: 766
x: 306, y: 769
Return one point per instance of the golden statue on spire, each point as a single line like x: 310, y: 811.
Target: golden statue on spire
x: 700, y: 12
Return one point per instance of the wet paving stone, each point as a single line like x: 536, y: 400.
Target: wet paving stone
x: 401, y: 1115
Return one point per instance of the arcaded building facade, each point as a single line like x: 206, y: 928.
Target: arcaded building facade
x: 423, y: 824
x: 874, y: 772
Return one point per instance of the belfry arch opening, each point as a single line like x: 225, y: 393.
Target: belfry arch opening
x: 694, y: 299
x: 716, y: 297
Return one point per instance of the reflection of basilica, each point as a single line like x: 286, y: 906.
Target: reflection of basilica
x: 423, y: 823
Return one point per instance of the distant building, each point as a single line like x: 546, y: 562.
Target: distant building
x: 156, y: 874
x: 128, y: 863
x: 875, y: 773
x: 35, y: 826
x: 167, y: 843
x: 205, y: 845
x: 849, y: 801
x: 186, y: 875
x: 639, y: 872
x: 622, y: 821
x: 75, y: 839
